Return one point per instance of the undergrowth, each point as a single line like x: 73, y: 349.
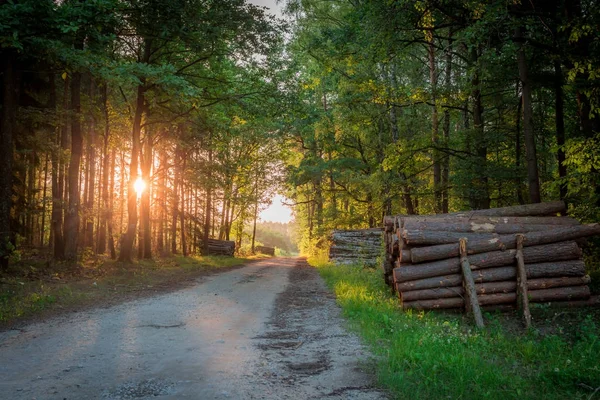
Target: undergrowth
x: 440, y: 355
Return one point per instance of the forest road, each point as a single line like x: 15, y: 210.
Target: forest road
x: 269, y: 330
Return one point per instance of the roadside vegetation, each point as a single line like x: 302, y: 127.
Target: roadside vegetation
x: 36, y: 289
x: 438, y: 355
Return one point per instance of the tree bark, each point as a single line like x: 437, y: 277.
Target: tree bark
x: 109, y: 210
x: 9, y: 109
x: 480, y: 199
x: 182, y: 210
x: 162, y: 202
x: 472, y: 227
x: 537, y: 296
x: 146, y: 239
x: 528, y: 132
x: 503, y: 242
x: 560, y: 128
x: 522, y: 289
x: 469, y: 285
x: 132, y: 217
x: 435, y: 131
x: 554, y: 252
x: 72, y: 214
x: 208, y: 200
x: 526, y: 211
x: 494, y: 287
x: 534, y: 271
x: 104, y: 189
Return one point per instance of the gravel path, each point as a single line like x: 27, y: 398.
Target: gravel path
x: 270, y: 330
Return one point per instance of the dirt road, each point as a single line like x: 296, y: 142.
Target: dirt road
x: 270, y: 330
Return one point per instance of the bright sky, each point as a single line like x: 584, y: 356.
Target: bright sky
x: 277, y: 212
x: 271, y: 4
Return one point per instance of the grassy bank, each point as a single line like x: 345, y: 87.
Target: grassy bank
x: 36, y: 289
x: 440, y: 355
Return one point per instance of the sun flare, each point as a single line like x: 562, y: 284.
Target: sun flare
x: 139, y: 186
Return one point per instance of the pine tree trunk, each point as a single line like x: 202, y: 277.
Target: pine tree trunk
x: 174, y: 201
x: 104, y: 189
x: 208, y: 200
x: 529, y: 135
x: 435, y: 134
x: 72, y: 214
x: 9, y: 109
x: 146, y: 239
x: 560, y: 128
x: 480, y: 199
x: 182, y: 211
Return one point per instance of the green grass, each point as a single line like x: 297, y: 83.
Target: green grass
x: 99, y: 282
x: 440, y: 355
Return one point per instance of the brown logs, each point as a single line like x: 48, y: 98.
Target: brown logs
x: 535, y: 254
x: 541, y: 270
x: 535, y: 296
x: 526, y: 211
x: 503, y: 242
x: 221, y: 247
x: 425, y: 252
x: 494, y: 287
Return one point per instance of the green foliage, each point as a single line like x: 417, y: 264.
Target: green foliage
x: 433, y: 355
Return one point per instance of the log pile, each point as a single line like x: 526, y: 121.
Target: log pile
x: 358, y: 245
x: 270, y: 251
x: 514, y: 256
x: 221, y: 247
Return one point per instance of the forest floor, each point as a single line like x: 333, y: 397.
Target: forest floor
x: 35, y: 289
x: 267, y: 330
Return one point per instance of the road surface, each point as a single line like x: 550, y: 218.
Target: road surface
x: 270, y: 330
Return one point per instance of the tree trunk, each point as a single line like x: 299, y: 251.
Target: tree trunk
x: 146, y: 239
x: 536, y: 272
x: 175, y: 198
x: 494, y: 287
x: 89, y: 202
x: 129, y: 237
x: 560, y: 129
x: 109, y: 210
x: 480, y: 199
x: 9, y: 109
x: 182, y: 211
x: 209, y: 184
x: 536, y: 254
x: 72, y: 214
x: 435, y: 135
x: 503, y: 242
x: 529, y: 135
x: 162, y: 202
x: 518, y: 184
x: 104, y: 189
x: 536, y: 296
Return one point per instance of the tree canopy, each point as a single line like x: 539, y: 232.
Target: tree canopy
x: 353, y: 109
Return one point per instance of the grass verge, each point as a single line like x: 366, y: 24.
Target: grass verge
x: 38, y: 290
x: 440, y: 355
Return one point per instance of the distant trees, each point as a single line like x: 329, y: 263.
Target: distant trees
x: 98, y: 94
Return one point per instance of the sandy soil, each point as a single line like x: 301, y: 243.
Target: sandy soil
x: 270, y: 330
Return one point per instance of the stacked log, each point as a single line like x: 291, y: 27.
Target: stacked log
x: 221, y: 247
x: 424, y: 258
x: 270, y: 251
x: 356, y: 245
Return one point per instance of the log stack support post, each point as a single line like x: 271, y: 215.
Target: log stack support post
x: 522, y: 295
x: 472, y: 304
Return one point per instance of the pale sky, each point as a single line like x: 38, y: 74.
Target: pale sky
x: 271, y: 4
x: 277, y: 212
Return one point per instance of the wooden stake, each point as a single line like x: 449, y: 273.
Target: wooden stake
x: 522, y: 296
x: 469, y: 284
